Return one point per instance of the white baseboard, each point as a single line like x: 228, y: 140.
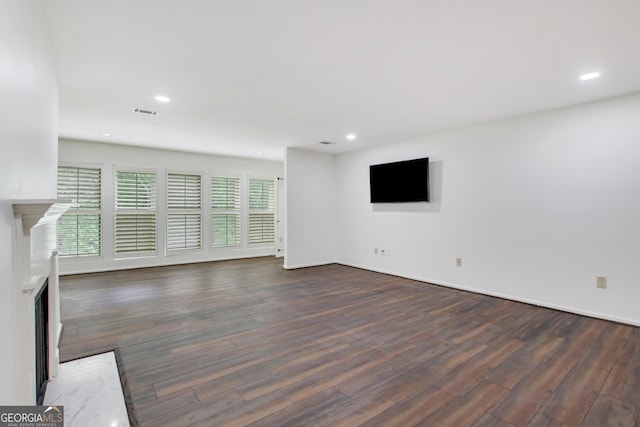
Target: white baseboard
x: 317, y: 264
x: 597, y: 315
x: 166, y: 262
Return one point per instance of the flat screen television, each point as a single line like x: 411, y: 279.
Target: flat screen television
x: 400, y: 182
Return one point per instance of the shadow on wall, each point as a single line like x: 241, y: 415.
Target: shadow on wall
x: 435, y: 195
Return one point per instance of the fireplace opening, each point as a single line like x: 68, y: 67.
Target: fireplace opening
x: 42, y: 341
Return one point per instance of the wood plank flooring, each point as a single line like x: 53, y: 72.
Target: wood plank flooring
x: 244, y: 342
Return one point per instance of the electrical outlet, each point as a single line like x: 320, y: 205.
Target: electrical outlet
x: 458, y: 262
x: 601, y: 282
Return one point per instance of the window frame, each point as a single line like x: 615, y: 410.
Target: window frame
x: 154, y: 211
x: 169, y: 211
x: 236, y: 211
x: 261, y: 211
x: 82, y: 211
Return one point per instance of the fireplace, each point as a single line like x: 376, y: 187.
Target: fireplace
x: 42, y: 341
x: 38, y: 298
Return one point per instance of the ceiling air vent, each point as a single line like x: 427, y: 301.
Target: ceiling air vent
x: 326, y: 143
x: 143, y: 111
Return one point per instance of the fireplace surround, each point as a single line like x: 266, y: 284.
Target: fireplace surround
x: 37, y: 277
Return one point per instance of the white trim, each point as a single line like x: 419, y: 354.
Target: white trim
x: 165, y: 262
x: 545, y: 304
x: 294, y: 267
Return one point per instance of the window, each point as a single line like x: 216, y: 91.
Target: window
x: 79, y: 230
x: 225, y: 207
x: 135, y: 224
x: 184, y: 207
x: 261, y: 211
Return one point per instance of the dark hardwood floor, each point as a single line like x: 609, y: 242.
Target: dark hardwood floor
x: 245, y: 342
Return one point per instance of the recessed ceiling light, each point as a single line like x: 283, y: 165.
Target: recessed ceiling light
x: 259, y: 153
x: 106, y: 134
x: 162, y: 98
x: 589, y: 76
x: 351, y: 136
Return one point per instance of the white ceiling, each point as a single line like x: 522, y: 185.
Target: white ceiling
x: 248, y: 76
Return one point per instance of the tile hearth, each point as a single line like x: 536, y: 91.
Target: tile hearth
x: 90, y: 391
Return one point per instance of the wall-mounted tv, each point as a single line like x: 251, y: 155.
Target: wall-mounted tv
x: 400, y: 182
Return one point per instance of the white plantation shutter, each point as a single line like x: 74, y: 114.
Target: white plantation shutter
x: 261, y: 228
x: 183, y: 191
x: 184, y: 205
x: 79, y: 229
x: 135, y: 225
x: 225, y: 207
x: 135, y: 233
x: 225, y: 230
x: 183, y: 231
x: 261, y: 211
x: 79, y: 235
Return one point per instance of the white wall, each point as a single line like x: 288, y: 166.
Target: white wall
x: 110, y: 156
x: 310, y: 182
x: 536, y: 206
x: 28, y: 153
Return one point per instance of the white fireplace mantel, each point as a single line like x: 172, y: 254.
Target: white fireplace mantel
x: 37, y: 211
x: 31, y: 214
